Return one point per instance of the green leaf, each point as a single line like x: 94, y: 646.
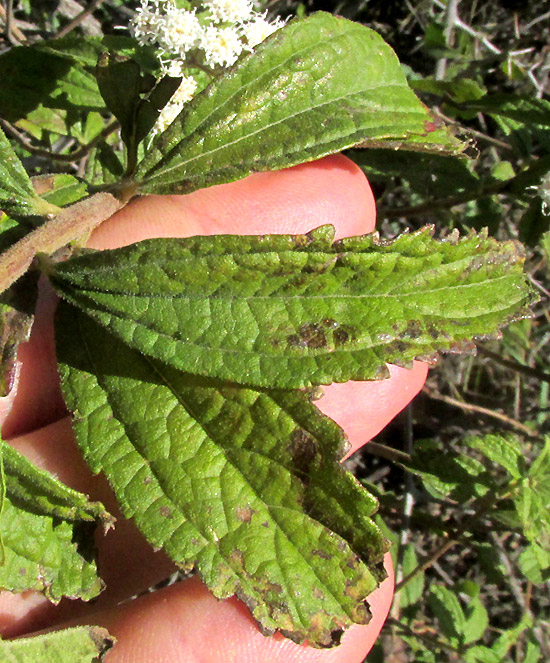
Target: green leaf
x: 291, y: 311
x: 82, y: 644
x: 315, y: 87
x: 242, y: 484
x: 534, y: 564
x: 17, y: 197
x: 481, y: 654
x: 60, y: 189
x: 502, y: 645
x: 545, y: 245
x: 413, y: 590
x: 504, y: 450
x: 446, y: 607
x: 447, y: 475
x: 33, y: 75
x: 532, y: 500
x: 477, y: 621
x: 47, y: 533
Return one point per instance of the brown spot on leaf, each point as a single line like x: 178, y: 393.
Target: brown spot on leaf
x: 165, y: 512
x: 413, y: 329
x: 340, y: 336
x: 321, y: 553
x: 303, y: 450
x: 244, y: 513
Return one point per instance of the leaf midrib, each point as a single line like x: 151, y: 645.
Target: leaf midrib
x: 179, y: 507
x: 296, y: 53
x: 163, y: 172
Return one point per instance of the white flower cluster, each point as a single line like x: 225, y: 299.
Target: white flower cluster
x: 218, y: 30
x: 213, y: 33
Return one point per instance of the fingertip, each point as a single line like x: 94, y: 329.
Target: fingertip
x: 185, y: 623
x: 363, y: 409
x: 294, y: 200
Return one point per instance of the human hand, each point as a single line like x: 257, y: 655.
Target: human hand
x: 184, y: 622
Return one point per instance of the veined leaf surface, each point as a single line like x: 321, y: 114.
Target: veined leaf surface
x: 243, y: 484
x: 317, y: 86
x: 47, y: 533
x: 291, y: 311
x: 82, y: 644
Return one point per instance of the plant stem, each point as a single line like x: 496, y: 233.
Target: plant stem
x: 481, y: 410
x: 79, y: 153
x: 383, y: 451
x: 71, y: 223
x: 77, y: 20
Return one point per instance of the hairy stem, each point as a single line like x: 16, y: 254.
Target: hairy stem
x: 71, y: 223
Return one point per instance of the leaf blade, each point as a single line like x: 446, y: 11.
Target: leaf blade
x: 216, y: 474
x: 81, y: 644
x: 315, y: 87
x: 292, y: 311
x: 46, y: 533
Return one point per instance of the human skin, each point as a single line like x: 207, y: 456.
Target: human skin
x: 183, y: 622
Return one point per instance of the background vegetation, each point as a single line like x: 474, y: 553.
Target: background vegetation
x: 463, y: 475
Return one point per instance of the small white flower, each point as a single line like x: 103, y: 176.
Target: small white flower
x: 167, y: 115
x: 173, y: 68
x: 231, y: 11
x: 180, y: 31
x: 222, y: 46
x: 185, y: 92
x: 260, y: 28
x: 147, y: 22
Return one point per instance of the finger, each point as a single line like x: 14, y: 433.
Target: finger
x: 363, y: 409
x: 296, y: 200
x: 185, y: 622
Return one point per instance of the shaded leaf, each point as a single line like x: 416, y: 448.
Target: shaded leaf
x: 33, y: 76
x: 47, y: 533
x: 315, y: 87
x: 81, y: 644
x: 291, y: 311
x: 242, y: 484
x: 426, y: 174
x: 16, y: 319
x: 134, y: 99
x: 446, y: 607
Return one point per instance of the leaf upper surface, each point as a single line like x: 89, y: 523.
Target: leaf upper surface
x: 315, y: 87
x: 47, y: 533
x: 17, y: 196
x: 243, y: 484
x: 291, y: 311
x: 83, y: 644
